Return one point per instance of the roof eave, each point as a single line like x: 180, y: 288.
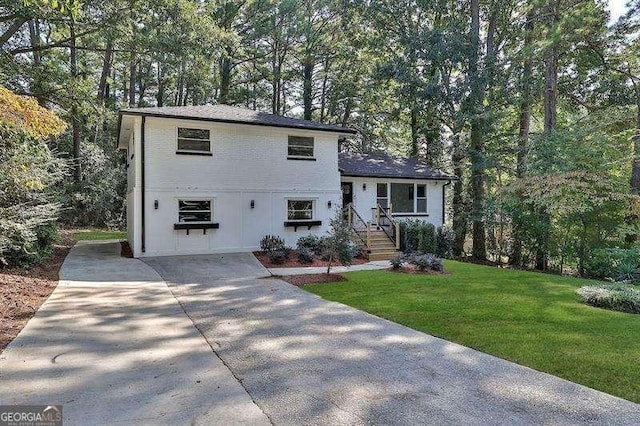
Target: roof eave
x: 449, y: 178
x: 341, y: 130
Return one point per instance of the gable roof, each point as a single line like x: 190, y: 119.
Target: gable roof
x: 229, y: 114
x: 382, y: 165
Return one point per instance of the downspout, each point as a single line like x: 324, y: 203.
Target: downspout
x: 443, y: 200
x: 142, y: 132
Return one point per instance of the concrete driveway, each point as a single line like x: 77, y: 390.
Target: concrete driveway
x: 305, y: 360
x: 112, y: 345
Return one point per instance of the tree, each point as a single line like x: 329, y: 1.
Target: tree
x: 338, y: 241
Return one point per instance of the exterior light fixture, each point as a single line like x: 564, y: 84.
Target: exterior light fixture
x: 329, y: 204
x: 364, y: 186
x: 155, y: 204
x: 253, y: 204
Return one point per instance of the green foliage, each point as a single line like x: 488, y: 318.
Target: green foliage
x: 29, y: 173
x: 417, y: 235
x: 279, y: 256
x: 445, y: 240
x: 617, y: 264
x: 271, y: 243
x: 616, y: 297
x: 305, y: 255
x: 426, y: 262
x: 311, y: 242
x: 397, y: 261
x: 337, y: 244
x: 99, y: 235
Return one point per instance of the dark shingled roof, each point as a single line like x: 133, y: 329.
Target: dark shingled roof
x: 229, y: 114
x: 381, y: 165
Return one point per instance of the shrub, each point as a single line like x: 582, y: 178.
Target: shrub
x: 445, y: 241
x: 613, y: 264
x: 396, y: 261
x: 311, y: 242
x: 617, y: 297
x: 271, y: 243
x: 417, y: 235
x: 427, y: 262
x: 337, y: 244
x: 279, y: 256
x: 305, y: 255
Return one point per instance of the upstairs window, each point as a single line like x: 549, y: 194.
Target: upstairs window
x: 193, y: 140
x: 299, y: 209
x: 300, y: 147
x: 194, y: 211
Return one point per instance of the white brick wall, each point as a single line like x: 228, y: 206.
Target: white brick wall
x: 248, y: 163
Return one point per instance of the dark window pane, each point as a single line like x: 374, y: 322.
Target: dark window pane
x: 422, y: 206
x: 193, y: 133
x: 422, y: 191
x: 382, y: 190
x: 384, y: 202
x: 188, y: 205
x: 193, y: 145
x: 194, y: 217
x: 402, y: 197
x: 300, y: 151
x: 300, y: 146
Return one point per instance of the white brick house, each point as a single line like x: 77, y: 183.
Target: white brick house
x: 217, y: 179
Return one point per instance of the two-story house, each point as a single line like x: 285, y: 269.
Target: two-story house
x: 213, y: 179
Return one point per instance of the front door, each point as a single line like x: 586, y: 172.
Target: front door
x: 347, y: 193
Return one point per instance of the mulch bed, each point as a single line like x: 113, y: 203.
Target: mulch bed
x: 292, y: 262
x: 300, y: 280
x: 23, y: 290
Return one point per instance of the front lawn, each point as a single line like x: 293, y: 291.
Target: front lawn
x: 99, y: 235
x: 533, y: 319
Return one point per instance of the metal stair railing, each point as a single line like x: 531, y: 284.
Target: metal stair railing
x: 358, y: 225
x: 390, y: 228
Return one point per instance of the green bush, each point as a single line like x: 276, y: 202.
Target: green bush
x: 279, y: 256
x: 397, y: 261
x: 271, y: 243
x: 616, y: 264
x: 418, y: 236
x: 311, y: 242
x: 445, y: 241
x: 305, y: 255
x: 426, y: 262
x: 616, y: 297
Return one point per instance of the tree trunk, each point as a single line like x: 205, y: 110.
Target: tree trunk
x: 458, y: 204
x: 225, y: 77
x: 37, y: 88
x: 132, y: 81
x: 479, y: 250
x: 160, y: 76
x: 515, y: 257
x: 106, y: 69
x: 75, y: 119
x: 635, y: 169
x: 550, y: 119
x: 307, y: 87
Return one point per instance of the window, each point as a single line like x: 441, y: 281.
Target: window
x: 300, y: 147
x: 299, y: 210
x: 194, y: 211
x: 382, y: 196
x: 421, y: 198
x: 402, y: 197
x: 193, y: 140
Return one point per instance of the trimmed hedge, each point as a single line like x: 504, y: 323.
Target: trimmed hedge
x: 616, y: 297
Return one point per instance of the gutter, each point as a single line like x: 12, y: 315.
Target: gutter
x: 142, y: 135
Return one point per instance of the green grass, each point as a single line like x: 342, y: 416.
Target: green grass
x: 99, y: 235
x: 530, y: 318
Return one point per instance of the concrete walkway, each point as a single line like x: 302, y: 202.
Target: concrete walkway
x: 369, y: 266
x: 112, y: 345
x: 305, y: 360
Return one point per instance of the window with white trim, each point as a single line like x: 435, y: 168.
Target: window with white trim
x: 299, y: 210
x: 194, y: 140
x: 382, y: 195
x: 300, y: 147
x: 190, y: 211
x: 421, y: 198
